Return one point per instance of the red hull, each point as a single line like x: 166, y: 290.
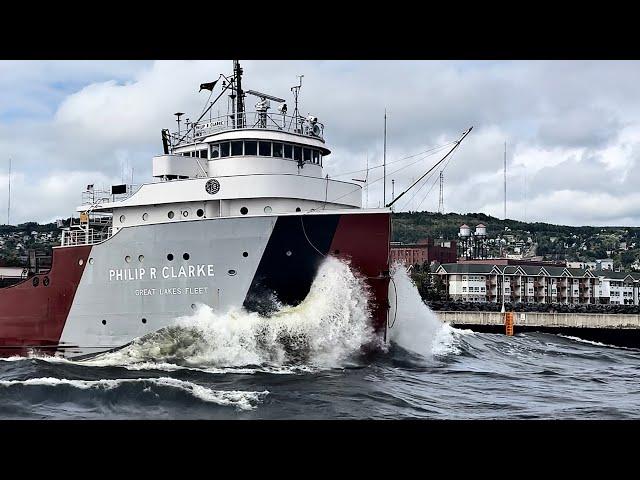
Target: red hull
x: 33, y: 312
x: 364, y: 240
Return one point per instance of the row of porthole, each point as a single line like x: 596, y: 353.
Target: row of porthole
x: 36, y: 281
x: 200, y: 213
x: 127, y: 259
x: 185, y: 256
x: 144, y: 320
x: 171, y: 214
x: 267, y: 210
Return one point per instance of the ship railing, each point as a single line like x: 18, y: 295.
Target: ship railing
x: 264, y: 120
x: 97, y: 197
x: 76, y: 236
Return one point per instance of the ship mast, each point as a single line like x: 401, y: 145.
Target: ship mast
x: 237, y: 74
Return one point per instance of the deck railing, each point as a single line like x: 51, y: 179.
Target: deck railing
x: 268, y: 121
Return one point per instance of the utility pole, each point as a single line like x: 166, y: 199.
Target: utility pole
x: 441, y: 201
x: 384, y: 161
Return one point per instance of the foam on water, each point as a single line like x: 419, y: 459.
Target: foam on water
x: 417, y: 327
x: 242, y: 400
x: 328, y: 329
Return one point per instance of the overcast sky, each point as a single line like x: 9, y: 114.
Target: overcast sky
x: 572, y: 129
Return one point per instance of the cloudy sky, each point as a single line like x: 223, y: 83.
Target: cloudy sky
x: 572, y: 129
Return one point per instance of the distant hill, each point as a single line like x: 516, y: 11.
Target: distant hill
x: 552, y: 241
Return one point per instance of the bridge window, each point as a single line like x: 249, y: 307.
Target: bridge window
x: 215, y: 151
x: 277, y: 150
x: 316, y: 159
x: 224, y: 149
x: 264, y: 149
x: 307, y: 155
x: 297, y: 153
x: 203, y: 154
x: 251, y: 147
x: 236, y: 148
x: 288, y: 151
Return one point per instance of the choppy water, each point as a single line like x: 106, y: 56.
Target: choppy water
x: 307, y: 362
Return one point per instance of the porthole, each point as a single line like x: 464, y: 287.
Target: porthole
x: 141, y: 258
x: 81, y: 262
x: 45, y: 281
x: 127, y: 259
x: 144, y: 320
x: 91, y: 260
x: 193, y: 306
x: 185, y: 213
x: 244, y: 210
x: 104, y: 322
x: 145, y: 216
x: 200, y: 212
x: 170, y: 214
x: 298, y: 209
x: 36, y: 281
x: 245, y: 254
x: 186, y: 256
x: 268, y: 209
x: 122, y: 218
x: 232, y: 272
x: 288, y: 253
x: 170, y: 257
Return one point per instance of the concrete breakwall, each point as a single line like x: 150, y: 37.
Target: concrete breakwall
x: 620, y: 330
x: 537, y: 319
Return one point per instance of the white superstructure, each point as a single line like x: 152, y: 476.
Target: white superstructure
x: 240, y: 164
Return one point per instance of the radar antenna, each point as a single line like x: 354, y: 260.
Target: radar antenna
x: 263, y: 105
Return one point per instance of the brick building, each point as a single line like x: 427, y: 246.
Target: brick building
x: 423, y: 251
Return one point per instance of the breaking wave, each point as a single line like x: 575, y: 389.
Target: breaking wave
x: 328, y: 329
x: 415, y: 326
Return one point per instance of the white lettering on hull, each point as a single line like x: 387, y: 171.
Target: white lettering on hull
x: 172, y: 291
x: 134, y: 274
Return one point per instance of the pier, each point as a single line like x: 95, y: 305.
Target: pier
x: 620, y: 329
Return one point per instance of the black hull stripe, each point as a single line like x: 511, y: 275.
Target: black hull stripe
x: 290, y: 261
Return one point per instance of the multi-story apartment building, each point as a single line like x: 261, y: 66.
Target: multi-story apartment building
x: 486, y: 282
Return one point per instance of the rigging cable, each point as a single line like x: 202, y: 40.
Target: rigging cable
x: 432, y: 168
x: 425, y: 183
x: 438, y: 147
x: 391, y: 173
x: 435, y: 181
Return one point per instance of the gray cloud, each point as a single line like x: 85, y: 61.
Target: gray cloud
x: 572, y: 126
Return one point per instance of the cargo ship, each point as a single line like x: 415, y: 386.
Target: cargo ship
x: 239, y: 214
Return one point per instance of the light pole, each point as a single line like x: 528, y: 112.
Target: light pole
x: 503, y: 310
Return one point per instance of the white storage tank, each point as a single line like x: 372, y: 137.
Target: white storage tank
x: 481, y: 230
x: 465, y: 231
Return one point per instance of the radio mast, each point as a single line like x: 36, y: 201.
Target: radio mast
x: 384, y: 161
x: 9, y: 202
x: 441, y: 200
x: 505, y: 180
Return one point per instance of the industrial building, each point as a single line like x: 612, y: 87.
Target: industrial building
x: 423, y: 251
